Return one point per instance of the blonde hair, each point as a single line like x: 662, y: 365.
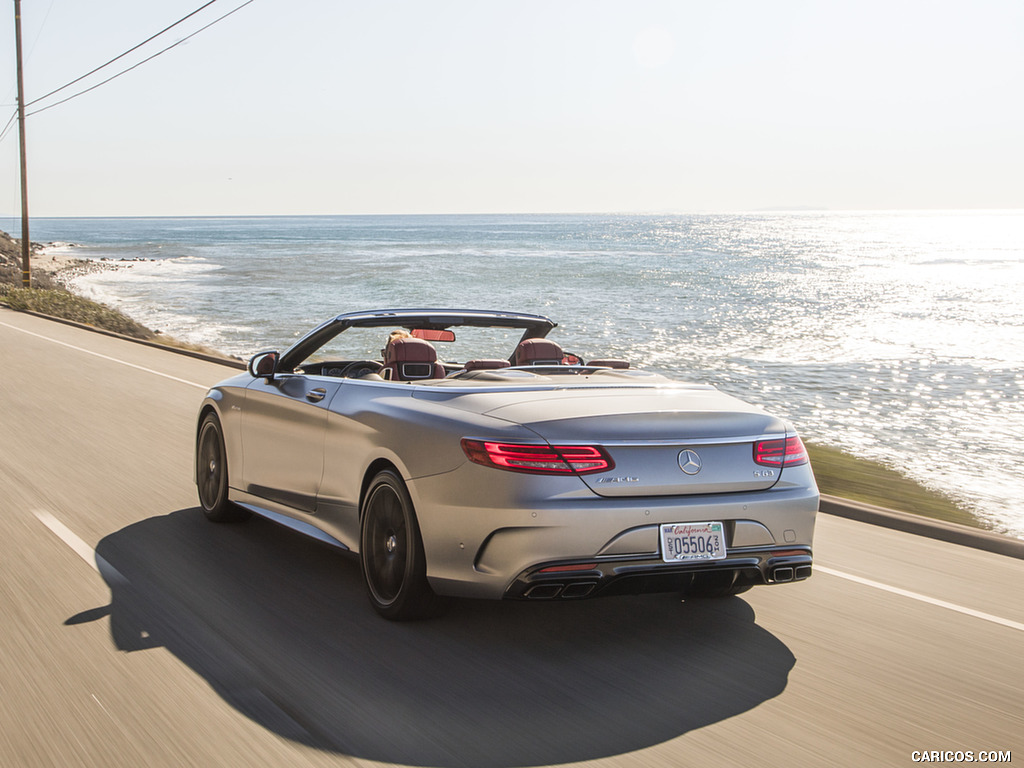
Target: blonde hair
x: 400, y: 333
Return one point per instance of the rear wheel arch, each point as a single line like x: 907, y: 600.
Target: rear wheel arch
x: 376, y: 467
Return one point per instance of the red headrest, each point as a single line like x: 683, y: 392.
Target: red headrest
x: 411, y: 351
x: 410, y: 359
x: 538, y: 352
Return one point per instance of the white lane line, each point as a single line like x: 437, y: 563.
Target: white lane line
x: 203, y: 387
x: 259, y: 706
x: 79, y: 547
x: 101, y: 566
x: 922, y: 598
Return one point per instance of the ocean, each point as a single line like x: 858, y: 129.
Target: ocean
x: 897, y: 336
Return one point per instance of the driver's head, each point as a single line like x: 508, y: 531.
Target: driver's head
x: 399, y: 333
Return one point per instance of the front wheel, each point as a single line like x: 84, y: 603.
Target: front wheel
x: 394, y: 565
x: 212, y: 474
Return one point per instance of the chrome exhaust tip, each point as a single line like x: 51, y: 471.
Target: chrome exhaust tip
x: 782, y: 574
x: 543, y: 591
x: 579, y: 589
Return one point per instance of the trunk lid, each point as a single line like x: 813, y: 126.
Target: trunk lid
x: 665, y: 441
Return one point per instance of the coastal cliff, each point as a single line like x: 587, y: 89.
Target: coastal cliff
x: 10, y: 264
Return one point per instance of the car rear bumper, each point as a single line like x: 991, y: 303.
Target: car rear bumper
x: 640, y: 575
x: 497, y: 550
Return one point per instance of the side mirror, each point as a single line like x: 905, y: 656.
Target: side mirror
x: 263, y: 364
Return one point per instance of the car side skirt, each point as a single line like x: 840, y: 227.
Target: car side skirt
x: 263, y: 508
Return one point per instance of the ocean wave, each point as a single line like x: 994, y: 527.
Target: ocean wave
x: 58, y: 247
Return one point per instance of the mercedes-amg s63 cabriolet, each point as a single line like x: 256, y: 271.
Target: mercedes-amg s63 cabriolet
x: 463, y: 453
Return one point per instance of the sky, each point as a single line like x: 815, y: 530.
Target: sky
x: 487, y: 106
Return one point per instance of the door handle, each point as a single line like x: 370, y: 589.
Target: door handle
x: 316, y: 395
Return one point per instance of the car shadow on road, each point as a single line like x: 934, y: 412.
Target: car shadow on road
x: 279, y: 626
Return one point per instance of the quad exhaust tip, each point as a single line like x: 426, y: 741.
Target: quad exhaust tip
x: 543, y: 591
x: 566, y: 591
x: 579, y: 589
x: 782, y: 574
x: 786, y: 573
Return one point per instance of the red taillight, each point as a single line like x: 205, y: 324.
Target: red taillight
x: 780, y: 453
x: 539, y: 459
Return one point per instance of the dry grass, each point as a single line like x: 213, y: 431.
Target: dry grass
x: 60, y: 303
x: 849, y: 477
x: 56, y: 302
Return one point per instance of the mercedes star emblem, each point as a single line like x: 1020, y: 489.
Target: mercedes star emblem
x: 689, y: 462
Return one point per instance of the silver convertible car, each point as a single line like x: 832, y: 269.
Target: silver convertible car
x: 522, y: 472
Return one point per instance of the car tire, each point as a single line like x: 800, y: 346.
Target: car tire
x: 391, y: 551
x: 715, y: 584
x: 212, y: 474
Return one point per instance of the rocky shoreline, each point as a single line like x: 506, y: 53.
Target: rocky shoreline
x: 55, y: 261
x: 55, y: 270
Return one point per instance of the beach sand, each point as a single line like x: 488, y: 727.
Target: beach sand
x: 63, y: 266
x: 55, y: 262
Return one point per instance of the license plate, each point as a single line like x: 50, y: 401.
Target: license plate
x: 689, y: 542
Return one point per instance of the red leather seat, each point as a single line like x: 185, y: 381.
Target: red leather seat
x: 411, y: 359
x: 538, y: 352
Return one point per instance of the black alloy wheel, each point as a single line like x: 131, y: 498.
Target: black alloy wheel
x: 393, y: 563
x: 212, y: 474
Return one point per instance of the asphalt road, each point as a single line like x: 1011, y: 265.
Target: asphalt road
x: 136, y: 633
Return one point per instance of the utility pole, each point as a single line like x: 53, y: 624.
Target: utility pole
x: 26, y: 246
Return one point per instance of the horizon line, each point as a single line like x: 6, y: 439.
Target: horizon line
x: 16, y: 218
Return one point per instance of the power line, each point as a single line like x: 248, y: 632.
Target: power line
x: 121, y: 56
x: 11, y: 121
x: 139, y: 64
x: 7, y: 127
